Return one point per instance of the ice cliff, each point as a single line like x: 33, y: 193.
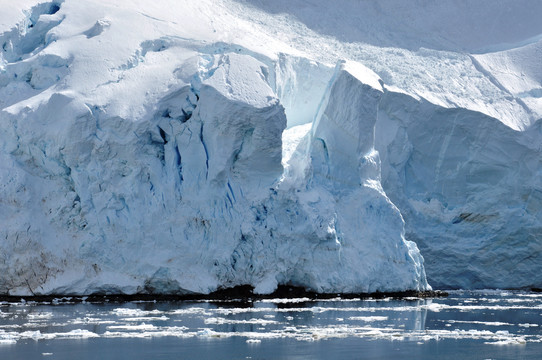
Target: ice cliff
x: 185, y: 147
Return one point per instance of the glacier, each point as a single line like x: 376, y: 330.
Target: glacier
x: 183, y: 147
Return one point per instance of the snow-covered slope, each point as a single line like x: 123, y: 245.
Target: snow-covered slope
x: 154, y: 147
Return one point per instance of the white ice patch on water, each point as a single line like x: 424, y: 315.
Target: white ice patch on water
x: 124, y: 312
x: 297, y: 319
x: 143, y: 326
x: 368, y: 318
x: 487, y: 323
x: 301, y: 333
x: 285, y: 301
x: 191, y: 311
x: 218, y: 321
x: 40, y: 316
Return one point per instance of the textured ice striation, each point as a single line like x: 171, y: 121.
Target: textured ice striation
x: 193, y: 198
x: 469, y: 189
x: 188, y: 194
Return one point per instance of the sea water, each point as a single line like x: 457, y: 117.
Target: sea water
x: 464, y: 325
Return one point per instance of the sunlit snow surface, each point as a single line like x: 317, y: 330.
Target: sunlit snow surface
x: 486, y: 319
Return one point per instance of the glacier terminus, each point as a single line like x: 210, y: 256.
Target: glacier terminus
x: 183, y: 147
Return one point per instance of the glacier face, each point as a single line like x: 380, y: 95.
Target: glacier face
x: 469, y: 189
x: 169, y: 179
x: 156, y: 149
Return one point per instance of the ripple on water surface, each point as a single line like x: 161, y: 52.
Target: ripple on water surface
x: 481, y: 319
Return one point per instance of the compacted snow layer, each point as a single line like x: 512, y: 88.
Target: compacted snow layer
x: 155, y: 148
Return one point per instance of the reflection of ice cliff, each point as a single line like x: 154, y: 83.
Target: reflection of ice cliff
x: 154, y: 158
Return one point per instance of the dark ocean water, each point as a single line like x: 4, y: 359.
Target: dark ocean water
x: 465, y: 325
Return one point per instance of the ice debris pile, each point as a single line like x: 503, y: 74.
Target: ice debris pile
x: 185, y: 147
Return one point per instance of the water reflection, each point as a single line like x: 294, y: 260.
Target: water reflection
x: 488, y: 317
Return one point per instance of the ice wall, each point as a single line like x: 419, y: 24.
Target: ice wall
x: 469, y: 189
x: 143, y: 146
x: 335, y: 176
x: 165, y: 176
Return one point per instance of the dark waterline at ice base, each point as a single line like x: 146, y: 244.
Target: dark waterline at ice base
x: 465, y: 325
